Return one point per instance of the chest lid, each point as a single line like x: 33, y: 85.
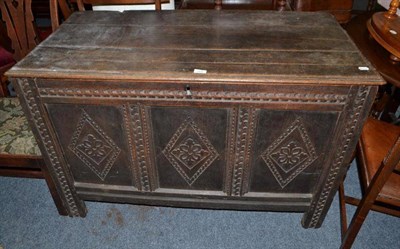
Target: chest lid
x: 249, y: 47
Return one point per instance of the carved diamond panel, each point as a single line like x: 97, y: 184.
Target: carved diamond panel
x: 189, y: 151
x: 93, y: 147
x: 290, y: 154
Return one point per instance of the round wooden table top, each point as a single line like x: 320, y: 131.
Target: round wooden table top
x: 386, y: 32
x: 372, y: 50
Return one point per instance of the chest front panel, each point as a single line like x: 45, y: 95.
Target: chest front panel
x: 252, y: 143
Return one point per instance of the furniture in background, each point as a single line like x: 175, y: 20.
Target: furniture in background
x: 378, y: 150
x: 6, y: 58
x: 19, y: 154
x: 19, y: 21
x: 384, y: 3
x: 81, y: 3
x: 340, y: 9
x: 388, y: 97
x: 21, y: 32
x: 233, y: 4
x: 41, y: 9
x: 378, y: 154
x: 250, y: 110
x: 384, y: 27
x: 165, y: 5
x: 6, y: 62
x: 56, y: 7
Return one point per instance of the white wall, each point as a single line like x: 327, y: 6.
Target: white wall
x: 164, y: 6
x: 386, y: 4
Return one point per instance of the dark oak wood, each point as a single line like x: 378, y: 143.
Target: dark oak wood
x: 378, y: 154
x: 229, y: 4
x: 340, y: 9
x: 125, y: 111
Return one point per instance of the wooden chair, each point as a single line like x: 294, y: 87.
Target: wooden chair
x: 55, y: 6
x: 6, y: 58
x: 8, y: 63
x: 19, y: 21
x: 19, y: 154
x: 22, y: 31
x: 378, y: 155
x: 378, y: 150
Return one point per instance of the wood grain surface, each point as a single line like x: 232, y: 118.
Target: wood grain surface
x: 260, y: 46
x: 121, y: 116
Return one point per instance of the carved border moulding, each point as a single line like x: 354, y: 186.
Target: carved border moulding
x: 189, y: 151
x: 244, y: 140
x: 290, y: 154
x: 132, y: 154
x: 147, y: 130
x: 141, y: 146
x: 93, y: 147
x: 209, y: 96
x: 74, y: 206
x: 318, y: 205
x: 231, y: 144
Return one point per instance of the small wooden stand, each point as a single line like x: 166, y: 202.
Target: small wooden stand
x: 384, y: 27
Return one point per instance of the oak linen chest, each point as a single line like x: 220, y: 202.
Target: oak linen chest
x: 244, y: 110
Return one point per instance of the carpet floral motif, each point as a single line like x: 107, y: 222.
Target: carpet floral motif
x: 15, y: 135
